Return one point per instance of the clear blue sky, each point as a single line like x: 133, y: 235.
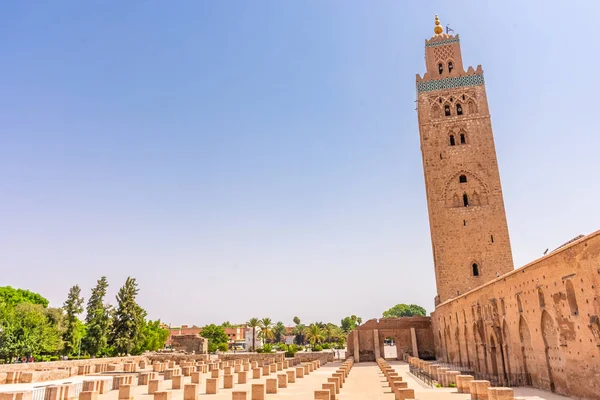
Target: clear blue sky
x: 261, y: 158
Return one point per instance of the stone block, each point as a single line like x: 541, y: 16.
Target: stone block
x: 177, y: 382
x: 256, y: 373
x: 88, y: 395
x: 163, y: 395
x: 500, y: 393
x: 105, y: 386
x: 479, y: 390
x: 196, y: 377
x: 215, y: 373
x: 271, y: 386
x: 291, y: 376
x: 402, y: 394
x: 463, y: 383
x: 300, y: 372
x: 331, y: 388
x: 336, y: 383
x: 282, y: 380
x: 306, y: 370
x: 190, y: 391
x: 286, y: 364
x: 272, y: 367
x: 279, y: 366
x: 340, y: 376
x: 258, y: 391
x: 322, y: 394
x: 126, y: 392
x: 239, y: 395
x: 242, y: 377
x: 227, y: 370
x: 211, y: 385
x: 237, y: 368
x: 228, y: 381
x: 153, y: 386
x: 19, y: 395
x: 266, y: 370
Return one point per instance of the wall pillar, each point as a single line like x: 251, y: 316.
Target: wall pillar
x: 356, y: 349
x: 376, y: 344
x: 413, y: 337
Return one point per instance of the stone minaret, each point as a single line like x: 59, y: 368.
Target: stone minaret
x: 469, y: 233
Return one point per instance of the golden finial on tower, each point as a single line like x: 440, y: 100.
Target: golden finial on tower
x: 438, y: 27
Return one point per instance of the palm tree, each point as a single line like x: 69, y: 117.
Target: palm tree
x: 332, y: 332
x: 279, y: 331
x: 299, y: 333
x: 296, y: 320
x: 314, y: 334
x: 253, y: 323
x: 266, y: 329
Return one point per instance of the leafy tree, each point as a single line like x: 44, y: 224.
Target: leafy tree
x: 253, y: 323
x: 404, y: 310
x: 296, y: 320
x: 227, y: 324
x: 11, y: 297
x: 279, y: 331
x: 266, y: 329
x: 332, y: 332
x: 97, y: 320
x: 26, y: 330
x: 314, y: 334
x: 299, y: 334
x: 73, y: 306
x: 216, y: 336
x: 128, y: 320
x: 154, y: 337
x: 348, y: 324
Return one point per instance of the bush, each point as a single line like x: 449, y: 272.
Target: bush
x: 326, y: 346
x: 267, y: 348
x: 317, y: 347
x: 223, y: 347
x: 452, y: 385
x: 260, y: 350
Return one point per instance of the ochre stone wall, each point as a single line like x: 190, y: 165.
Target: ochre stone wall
x: 397, y: 328
x: 191, y: 343
x: 464, y: 196
x: 541, y: 319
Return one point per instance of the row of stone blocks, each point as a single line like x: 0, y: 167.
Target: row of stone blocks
x: 478, y: 389
x: 258, y: 392
x: 331, y: 388
x: 398, y: 386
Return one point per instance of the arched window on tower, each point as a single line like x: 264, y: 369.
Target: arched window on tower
x: 459, y: 110
x: 452, y: 141
x: 463, y: 138
x: 450, y: 66
x: 475, y: 268
x: 465, y: 200
x: 462, y: 179
x: 447, y: 110
x: 571, y: 298
x: 441, y: 68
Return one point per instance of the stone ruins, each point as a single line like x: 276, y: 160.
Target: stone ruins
x: 493, y: 330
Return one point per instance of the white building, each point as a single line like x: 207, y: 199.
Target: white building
x: 248, y: 337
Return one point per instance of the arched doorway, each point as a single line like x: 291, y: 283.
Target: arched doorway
x: 389, y: 348
x: 526, y: 348
x: 493, y: 358
x: 550, y: 345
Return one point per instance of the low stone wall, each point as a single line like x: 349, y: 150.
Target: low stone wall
x: 324, y: 357
x: 177, y: 357
x: 279, y: 356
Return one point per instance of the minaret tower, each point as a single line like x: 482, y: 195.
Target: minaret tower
x: 469, y: 233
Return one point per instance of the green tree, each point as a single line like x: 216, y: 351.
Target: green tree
x: 404, y: 310
x: 348, y: 324
x: 154, y: 337
x: 26, y: 330
x: 227, y: 324
x: 266, y: 329
x: 296, y: 320
x: 253, y: 323
x: 11, y: 297
x: 128, y: 320
x: 97, y: 320
x: 216, y: 336
x: 73, y: 307
x: 314, y: 334
x: 279, y: 331
x: 299, y: 334
x: 332, y: 332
